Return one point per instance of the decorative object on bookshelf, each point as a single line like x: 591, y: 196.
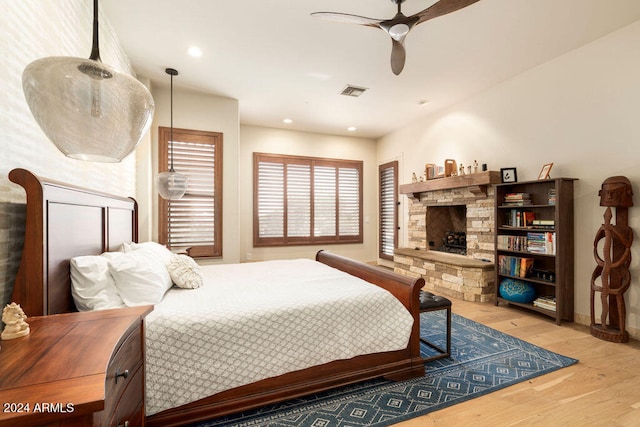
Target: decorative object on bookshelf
x: 544, y: 172
x: 517, y: 291
x: 612, y: 270
x: 509, y: 174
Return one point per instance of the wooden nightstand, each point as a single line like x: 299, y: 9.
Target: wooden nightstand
x: 76, y: 369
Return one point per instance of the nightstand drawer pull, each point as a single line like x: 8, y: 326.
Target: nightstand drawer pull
x: 126, y: 424
x: 124, y: 374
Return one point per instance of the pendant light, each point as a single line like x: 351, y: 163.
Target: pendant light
x: 171, y: 185
x: 89, y: 110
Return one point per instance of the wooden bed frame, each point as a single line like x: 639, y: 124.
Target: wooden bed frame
x: 64, y: 221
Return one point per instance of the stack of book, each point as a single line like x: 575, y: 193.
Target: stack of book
x: 541, y: 243
x: 548, y: 303
x: 551, y: 199
x: 517, y: 199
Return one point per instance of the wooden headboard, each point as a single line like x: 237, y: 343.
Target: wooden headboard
x: 64, y: 221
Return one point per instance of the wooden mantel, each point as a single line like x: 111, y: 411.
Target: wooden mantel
x: 480, y: 179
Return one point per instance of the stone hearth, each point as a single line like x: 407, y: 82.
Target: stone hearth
x: 469, y: 277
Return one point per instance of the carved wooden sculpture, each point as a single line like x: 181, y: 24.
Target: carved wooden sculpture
x: 612, y: 268
x: 14, y: 319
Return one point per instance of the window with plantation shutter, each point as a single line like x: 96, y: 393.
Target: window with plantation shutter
x: 193, y: 223
x: 388, y: 175
x: 306, y: 200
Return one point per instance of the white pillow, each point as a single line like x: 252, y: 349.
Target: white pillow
x: 159, y: 250
x: 92, y: 285
x: 185, y: 272
x: 141, y: 277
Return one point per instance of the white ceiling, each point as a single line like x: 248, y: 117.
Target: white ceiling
x: 280, y: 62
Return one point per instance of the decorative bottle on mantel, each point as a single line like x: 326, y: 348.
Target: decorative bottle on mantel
x: 475, y: 166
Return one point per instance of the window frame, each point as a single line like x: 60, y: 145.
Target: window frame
x: 285, y: 239
x: 393, y: 165
x: 198, y: 137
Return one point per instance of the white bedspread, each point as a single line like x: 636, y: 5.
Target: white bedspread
x: 253, y: 321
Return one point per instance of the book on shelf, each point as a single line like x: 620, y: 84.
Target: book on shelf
x: 512, y: 243
x: 551, y: 196
x: 541, y: 242
x: 518, y: 218
x: 514, y: 265
x: 529, y: 217
x: 546, y: 302
x: 543, y: 222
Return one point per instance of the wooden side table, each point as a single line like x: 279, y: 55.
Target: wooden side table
x: 79, y: 369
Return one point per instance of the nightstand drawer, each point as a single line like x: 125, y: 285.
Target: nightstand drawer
x: 123, y: 365
x: 128, y: 410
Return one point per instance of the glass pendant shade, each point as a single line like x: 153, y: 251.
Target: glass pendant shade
x: 171, y: 185
x: 87, y: 109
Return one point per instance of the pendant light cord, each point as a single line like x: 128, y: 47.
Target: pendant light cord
x: 95, y: 50
x: 171, y: 129
x: 172, y: 72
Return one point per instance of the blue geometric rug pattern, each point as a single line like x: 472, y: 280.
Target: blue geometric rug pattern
x: 482, y: 361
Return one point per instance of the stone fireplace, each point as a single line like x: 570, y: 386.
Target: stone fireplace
x: 439, y: 211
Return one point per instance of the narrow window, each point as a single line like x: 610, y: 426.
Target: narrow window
x: 193, y: 224
x: 388, y: 239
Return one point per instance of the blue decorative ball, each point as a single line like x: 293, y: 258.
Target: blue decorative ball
x: 517, y: 291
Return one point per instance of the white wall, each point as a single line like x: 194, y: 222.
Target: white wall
x: 579, y: 111
x: 267, y: 140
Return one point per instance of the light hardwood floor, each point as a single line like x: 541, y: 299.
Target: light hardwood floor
x: 602, y: 389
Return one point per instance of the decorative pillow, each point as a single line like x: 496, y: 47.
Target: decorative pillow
x: 517, y: 291
x: 185, y: 272
x: 141, y: 276
x: 92, y: 285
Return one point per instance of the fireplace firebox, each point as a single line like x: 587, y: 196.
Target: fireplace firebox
x: 447, y: 228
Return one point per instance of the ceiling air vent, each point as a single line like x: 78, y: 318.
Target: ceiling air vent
x: 354, y: 91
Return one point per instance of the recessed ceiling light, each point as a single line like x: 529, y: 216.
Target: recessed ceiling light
x: 287, y: 121
x: 423, y: 102
x: 194, y: 51
x: 352, y: 128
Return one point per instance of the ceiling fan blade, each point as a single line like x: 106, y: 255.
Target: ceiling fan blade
x: 442, y: 7
x: 346, y: 18
x: 398, y: 56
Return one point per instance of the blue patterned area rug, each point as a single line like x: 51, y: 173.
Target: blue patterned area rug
x: 483, y: 360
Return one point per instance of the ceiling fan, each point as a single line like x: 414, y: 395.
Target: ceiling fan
x: 399, y: 26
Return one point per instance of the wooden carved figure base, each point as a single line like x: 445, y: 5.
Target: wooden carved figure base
x: 611, y: 277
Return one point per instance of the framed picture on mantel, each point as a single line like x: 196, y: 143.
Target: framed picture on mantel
x: 508, y: 175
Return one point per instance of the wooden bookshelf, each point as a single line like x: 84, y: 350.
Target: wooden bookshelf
x: 550, y: 244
